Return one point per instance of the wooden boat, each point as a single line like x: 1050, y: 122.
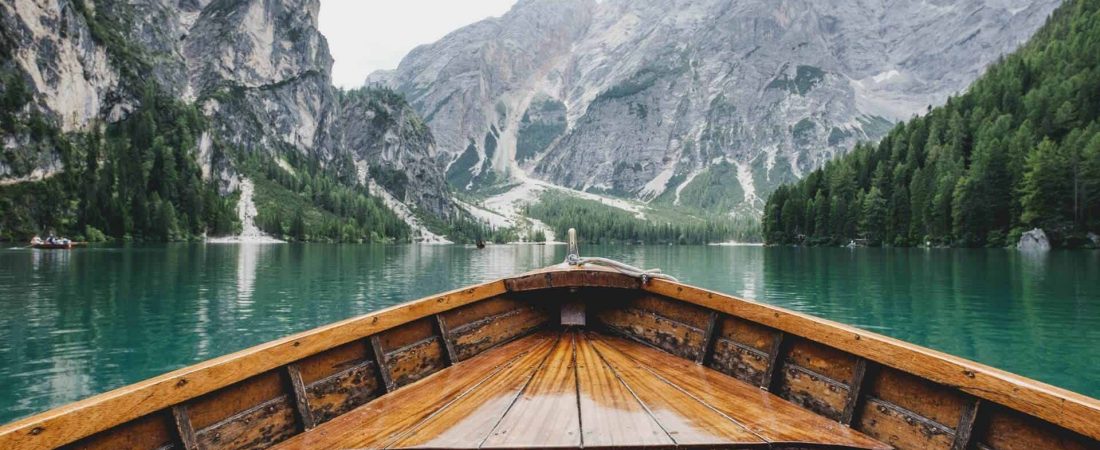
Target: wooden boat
x: 576, y: 356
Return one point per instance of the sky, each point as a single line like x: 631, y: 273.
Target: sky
x: 367, y: 35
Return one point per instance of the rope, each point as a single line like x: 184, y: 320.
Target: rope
x: 621, y: 267
x: 573, y: 258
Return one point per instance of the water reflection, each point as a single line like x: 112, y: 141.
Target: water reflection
x: 76, y: 323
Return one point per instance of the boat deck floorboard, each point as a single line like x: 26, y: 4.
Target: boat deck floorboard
x: 578, y: 388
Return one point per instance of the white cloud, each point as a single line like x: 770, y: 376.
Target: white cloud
x: 367, y: 35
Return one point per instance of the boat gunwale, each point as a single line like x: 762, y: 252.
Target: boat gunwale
x: 69, y: 423
x: 1071, y: 410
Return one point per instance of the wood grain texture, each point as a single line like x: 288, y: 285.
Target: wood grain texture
x: 761, y: 413
x: 572, y: 277
x: 1010, y: 430
x: 823, y: 360
x: 686, y: 420
x: 708, y: 339
x: 610, y: 413
x: 343, y: 391
x: 545, y: 414
x: 334, y: 360
x: 964, y: 431
x: 259, y: 427
x: 902, y: 429
x: 938, y: 403
x: 385, y: 419
x: 445, y: 336
x: 468, y: 421
x: 154, y: 431
x: 184, y: 429
x: 381, y: 362
x: 301, y: 399
x: 68, y: 423
x: 855, y: 392
x: 477, y: 336
x: 747, y: 364
x: 670, y: 335
x: 1061, y: 407
x: 465, y: 315
x: 776, y: 352
x: 812, y: 391
x: 416, y: 361
x: 219, y: 405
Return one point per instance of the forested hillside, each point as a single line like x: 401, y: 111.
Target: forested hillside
x: 136, y: 120
x: 1020, y: 149
x: 599, y: 223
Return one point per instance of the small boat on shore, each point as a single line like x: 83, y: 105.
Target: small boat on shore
x: 589, y: 353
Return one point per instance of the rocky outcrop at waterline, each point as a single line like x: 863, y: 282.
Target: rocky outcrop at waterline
x: 1034, y: 241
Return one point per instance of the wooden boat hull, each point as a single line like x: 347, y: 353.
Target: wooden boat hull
x: 289, y: 391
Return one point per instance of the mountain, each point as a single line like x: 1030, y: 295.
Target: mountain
x: 90, y: 92
x: 709, y: 104
x: 1020, y: 149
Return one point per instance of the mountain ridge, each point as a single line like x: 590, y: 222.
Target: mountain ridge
x: 656, y: 92
x: 258, y: 72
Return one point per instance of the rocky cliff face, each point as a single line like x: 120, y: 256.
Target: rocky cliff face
x: 708, y: 103
x: 258, y: 69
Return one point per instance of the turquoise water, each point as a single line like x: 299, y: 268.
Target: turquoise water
x: 77, y: 323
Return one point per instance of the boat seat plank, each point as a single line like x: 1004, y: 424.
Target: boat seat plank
x: 611, y: 414
x: 467, y: 422
x: 545, y: 414
x: 686, y: 420
x: 385, y: 419
x: 774, y: 419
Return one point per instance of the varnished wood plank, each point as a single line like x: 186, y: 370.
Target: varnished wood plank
x: 445, y: 336
x: 477, y: 336
x: 380, y: 362
x: 812, y: 391
x: 416, y: 361
x: 68, y: 423
x: 460, y: 317
x: 1005, y: 429
x: 154, y: 431
x: 219, y: 405
x: 746, y: 363
x: 585, y: 277
x: 902, y: 428
x: 965, y: 428
x: 673, y: 336
x: 760, y: 412
x: 386, y: 418
x: 686, y: 420
x: 467, y: 421
x: 1071, y: 410
x: 258, y: 427
x: 775, y: 359
x: 343, y: 391
x: 546, y: 413
x: 301, y: 399
x: 855, y: 391
x: 184, y: 428
x: 610, y: 413
x: 939, y: 403
x: 708, y: 339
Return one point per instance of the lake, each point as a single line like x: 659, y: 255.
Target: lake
x: 77, y: 323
